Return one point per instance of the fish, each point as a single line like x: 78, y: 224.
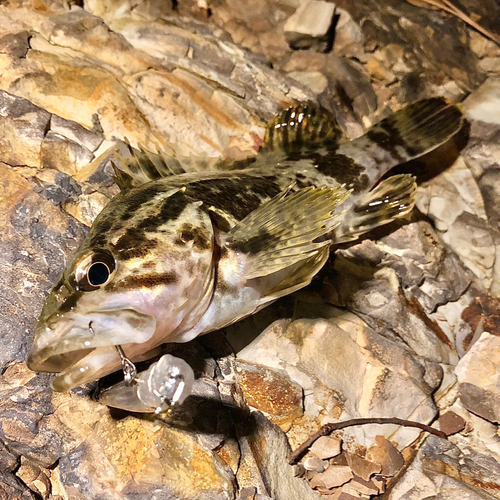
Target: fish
x: 183, y: 251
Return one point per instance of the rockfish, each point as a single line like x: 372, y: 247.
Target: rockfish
x: 179, y: 254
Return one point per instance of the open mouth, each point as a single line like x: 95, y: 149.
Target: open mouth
x: 76, y: 367
x: 83, y: 348
x: 44, y: 361
x: 96, y: 364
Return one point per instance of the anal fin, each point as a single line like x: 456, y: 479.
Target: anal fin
x: 391, y: 199
x: 284, y: 231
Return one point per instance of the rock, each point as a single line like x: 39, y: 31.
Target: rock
x: 362, y: 468
x: 349, y: 39
x: 119, y: 108
x: 315, y: 464
x: 361, y: 488
x: 270, y: 392
x: 398, y: 301
x: 334, y: 476
x: 314, y: 80
x: 384, y: 453
x: 326, y: 447
x: 270, y: 447
x: 38, y: 236
x: 75, y: 132
x: 451, y: 423
x: 98, y: 457
x: 455, y: 204
x: 310, y: 26
x: 12, y: 489
x: 478, y: 375
x: 15, y: 44
x: 162, y: 460
x: 483, y: 103
x: 35, y: 477
x: 482, y: 315
x: 247, y: 494
x: 353, y: 362
x: 482, y: 46
x: 480, y: 154
x: 24, y: 126
x: 440, y: 468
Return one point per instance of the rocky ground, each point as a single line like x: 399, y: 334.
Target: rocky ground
x: 403, y: 324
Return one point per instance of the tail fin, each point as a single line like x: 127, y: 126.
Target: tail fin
x: 409, y: 133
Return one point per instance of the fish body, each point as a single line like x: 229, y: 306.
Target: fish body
x: 176, y: 255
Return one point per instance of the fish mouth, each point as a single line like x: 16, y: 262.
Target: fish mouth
x: 82, y: 348
x: 77, y: 367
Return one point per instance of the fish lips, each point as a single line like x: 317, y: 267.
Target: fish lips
x: 62, y: 342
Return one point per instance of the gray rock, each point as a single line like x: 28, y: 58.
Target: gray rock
x: 484, y: 103
x: 349, y: 39
x: 310, y: 25
x: 350, y: 360
x: 270, y: 447
x: 38, y: 238
x: 75, y: 132
x: 440, y: 470
x: 478, y: 374
x: 24, y: 127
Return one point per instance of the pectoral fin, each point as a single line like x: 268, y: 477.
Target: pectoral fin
x: 285, y: 230
x: 391, y: 199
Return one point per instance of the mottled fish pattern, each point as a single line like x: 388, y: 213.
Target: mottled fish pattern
x: 184, y: 252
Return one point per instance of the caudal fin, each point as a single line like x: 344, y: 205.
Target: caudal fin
x: 410, y: 133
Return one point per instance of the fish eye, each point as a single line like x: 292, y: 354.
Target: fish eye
x: 98, y: 274
x: 94, y: 270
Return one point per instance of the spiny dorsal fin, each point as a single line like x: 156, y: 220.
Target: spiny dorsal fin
x: 136, y: 166
x: 391, y: 199
x: 301, y: 128
x: 282, y: 231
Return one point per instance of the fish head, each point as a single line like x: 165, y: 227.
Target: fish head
x: 143, y: 274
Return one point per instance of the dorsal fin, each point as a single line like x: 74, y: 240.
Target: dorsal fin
x: 134, y: 167
x: 302, y: 127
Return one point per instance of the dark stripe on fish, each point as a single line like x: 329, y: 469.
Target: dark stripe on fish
x: 147, y: 281
x: 343, y: 169
x: 70, y: 302
x: 263, y: 239
x: 133, y: 244
x: 171, y: 209
x: 388, y: 138
x: 238, y: 195
x: 201, y: 240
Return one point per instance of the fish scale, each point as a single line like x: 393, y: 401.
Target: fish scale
x: 182, y: 252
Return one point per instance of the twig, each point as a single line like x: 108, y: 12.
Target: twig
x: 326, y: 429
x: 448, y: 7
